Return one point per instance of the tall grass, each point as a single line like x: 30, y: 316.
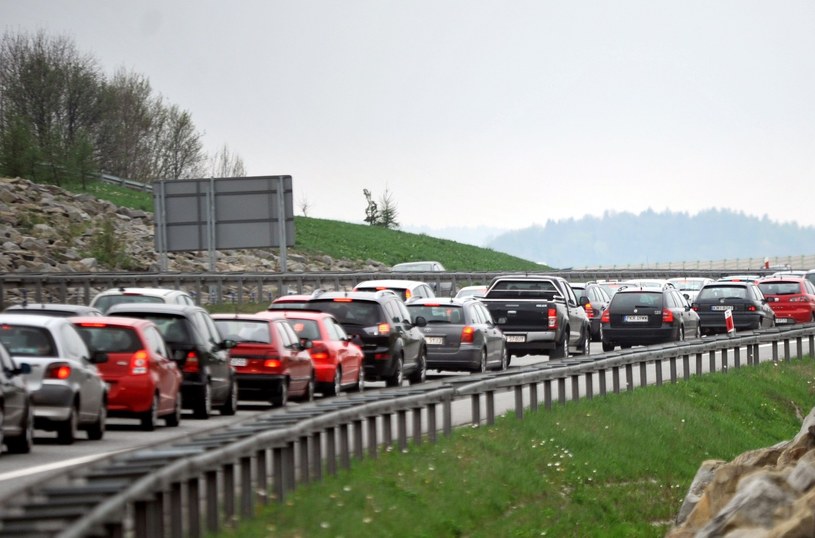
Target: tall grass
x: 613, y: 466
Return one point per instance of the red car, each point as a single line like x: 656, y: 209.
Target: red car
x: 791, y: 298
x: 269, y: 359
x: 337, y: 360
x: 143, y: 380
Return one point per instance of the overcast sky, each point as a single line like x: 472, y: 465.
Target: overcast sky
x: 482, y: 112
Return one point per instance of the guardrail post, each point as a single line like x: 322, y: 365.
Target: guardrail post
x: 305, y: 463
x: 247, y: 500
x: 278, y: 480
x: 387, y: 429
x: 601, y: 376
x: 194, y: 507
x: 317, y: 456
x: 229, y: 493
x: 359, y: 426
x: 141, y: 519
x: 475, y: 410
x: 262, y: 471
x: 812, y: 344
x: 799, y: 347
x: 490, y: 407
x: 417, y: 425
x: 775, y: 351
x: 756, y: 355
x: 345, y: 453
x: 211, y: 478
x: 533, y: 397
x: 575, y: 387
x: 725, y: 360
x: 615, y: 379
x: 737, y: 356
x: 519, y: 402
x: 561, y: 390
x: 289, y: 467
x: 547, y: 394
x: 712, y: 360
x: 431, y: 422
x: 401, y: 429
x: 447, y: 416
x: 629, y: 377
x: 787, y: 355
x: 657, y: 372
x: 699, y: 363
x: 372, y: 437
x: 176, y: 511
x: 686, y: 366
x: 331, y: 450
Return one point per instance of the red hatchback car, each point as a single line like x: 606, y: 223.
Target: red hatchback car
x: 270, y: 361
x: 791, y: 298
x: 143, y: 381
x: 337, y: 360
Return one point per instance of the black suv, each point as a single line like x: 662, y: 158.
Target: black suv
x: 380, y: 323
x: 642, y: 316
x: 199, y: 350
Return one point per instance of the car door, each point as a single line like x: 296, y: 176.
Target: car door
x: 91, y: 386
x: 217, y: 358
x: 300, y: 366
x: 412, y: 337
x: 164, y: 368
x: 349, y: 358
x: 577, y: 314
x: 15, y: 394
x: 767, y: 314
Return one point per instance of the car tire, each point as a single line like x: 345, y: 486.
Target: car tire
x: 22, y: 443
x: 174, y: 419
x: 420, y: 374
x: 585, y: 348
x: 504, y: 358
x: 359, y: 386
x: 599, y: 337
x: 336, y: 386
x: 97, y: 430
x: 308, y: 396
x: 230, y: 406
x: 482, y: 363
x: 149, y: 418
x: 67, y: 429
x: 681, y: 335
x: 203, y: 407
x: 281, y: 396
x: 561, y: 350
x: 608, y: 346
x: 397, y: 378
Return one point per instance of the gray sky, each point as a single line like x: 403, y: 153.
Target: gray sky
x: 482, y: 112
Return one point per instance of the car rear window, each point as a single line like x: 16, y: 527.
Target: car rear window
x: 722, y: 292
x: 448, y: 313
x: 352, y: 311
x: 104, y: 302
x: 636, y: 299
x: 26, y: 341
x: 305, y: 328
x: 401, y: 292
x: 109, y: 339
x: 780, y: 288
x: 245, y: 330
x: 172, y: 328
x: 508, y: 289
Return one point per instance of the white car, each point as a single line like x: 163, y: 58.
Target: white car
x: 471, y: 291
x: 66, y: 388
x: 690, y: 286
x: 104, y: 300
x: 408, y: 290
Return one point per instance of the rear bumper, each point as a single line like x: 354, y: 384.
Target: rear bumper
x: 713, y: 322
x: 639, y: 335
x: 324, y: 372
x: 468, y: 358
x: 534, y: 341
x: 131, y: 394
x: 259, y: 387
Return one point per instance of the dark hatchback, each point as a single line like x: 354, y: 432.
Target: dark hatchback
x: 379, y: 322
x: 598, y: 300
x: 743, y: 299
x: 644, y: 316
x: 460, y: 335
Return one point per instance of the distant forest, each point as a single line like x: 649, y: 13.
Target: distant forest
x: 651, y: 237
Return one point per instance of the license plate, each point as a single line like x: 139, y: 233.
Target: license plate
x: 636, y: 319
x: 721, y: 308
x: 238, y: 362
x: 783, y: 320
x: 516, y: 338
x: 434, y: 340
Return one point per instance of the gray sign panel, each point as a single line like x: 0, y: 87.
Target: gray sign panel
x: 224, y: 213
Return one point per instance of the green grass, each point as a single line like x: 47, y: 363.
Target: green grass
x: 359, y: 242
x: 613, y: 466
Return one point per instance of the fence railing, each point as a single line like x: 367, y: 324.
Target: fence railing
x: 201, y: 484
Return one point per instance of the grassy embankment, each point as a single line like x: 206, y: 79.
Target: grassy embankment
x: 613, y: 466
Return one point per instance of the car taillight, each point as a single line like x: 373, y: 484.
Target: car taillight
x: 383, y: 328
x: 553, y: 318
x: 695, y: 307
x: 606, y: 317
x: 589, y: 310
x: 467, y: 335
x: 408, y: 295
x: 271, y: 363
x: 751, y: 308
x: 192, y: 365
x: 798, y: 299
x: 667, y: 316
x: 58, y: 370
x: 318, y: 351
x: 138, y: 362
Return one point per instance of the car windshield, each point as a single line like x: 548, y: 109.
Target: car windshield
x: 352, y: 312
x: 104, y: 302
x: 448, y: 313
x: 643, y: 299
x: 25, y: 341
x: 709, y: 293
x: 780, y: 288
x: 305, y: 328
x: 244, y: 330
x: 110, y: 339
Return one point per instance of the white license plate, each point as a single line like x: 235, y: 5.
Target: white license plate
x: 519, y: 338
x: 434, y: 340
x: 721, y: 308
x: 238, y: 362
x: 783, y: 320
x: 636, y: 319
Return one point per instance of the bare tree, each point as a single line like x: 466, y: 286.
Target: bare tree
x: 304, y: 205
x: 371, y: 212
x: 226, y: 164
x: 180, y: 146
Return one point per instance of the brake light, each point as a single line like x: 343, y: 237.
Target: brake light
x: 553, y: 318
x: 342, y: 300
x: 695, y: 307
x: 667, y: 316
x: 96, y: 325
x: 271, y: 363
x: 751, y: 308
x: 383, y: 328
x: 467, y: 335
x: 589, y: 310
x: 192, y: 364
x: 319, y: 352
x: 58, y: 370
x: 138, y: 362
x: 606, y: 317
x: 408, y: 295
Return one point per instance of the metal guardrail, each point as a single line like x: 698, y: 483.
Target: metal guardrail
x: 200, y: 484
x: 127, y: 183
x: 259, y: 287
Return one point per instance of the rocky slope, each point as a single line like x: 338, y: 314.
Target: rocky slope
x: 44, y: 228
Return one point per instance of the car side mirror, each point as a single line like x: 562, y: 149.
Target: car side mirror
x: 99, y: 357
x: 22, y: 369
x: 179, y: 356
x: 305, y: 343
x: 420, y: 321
x: 584, y: 300
x: 227, y: 344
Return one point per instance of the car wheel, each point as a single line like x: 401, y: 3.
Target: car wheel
x: 608, y: 346
x: 97, y: 430
x: 174, y: 419
x: 66, y: 430
x: 230, y: 406
x: 697, y: 334
x: 396, y: 379
x: 281, y: 396
x: 681, y: 337
x: 361, y: 379
x: 203, y: 408
x: 562, y: 348
x: 150, y: 417
x: 504, y: 358
x: 308, y: 396
x: 420, y: 375
x: 585, y: 348
x: 482, y: 363
x: 22, y: 443
x: 336, y: 386
x: 600, y: 333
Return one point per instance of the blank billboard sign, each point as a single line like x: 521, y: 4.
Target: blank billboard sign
x: 224, y: 213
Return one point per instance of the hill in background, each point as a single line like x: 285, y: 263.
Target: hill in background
x: 652, y: 237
